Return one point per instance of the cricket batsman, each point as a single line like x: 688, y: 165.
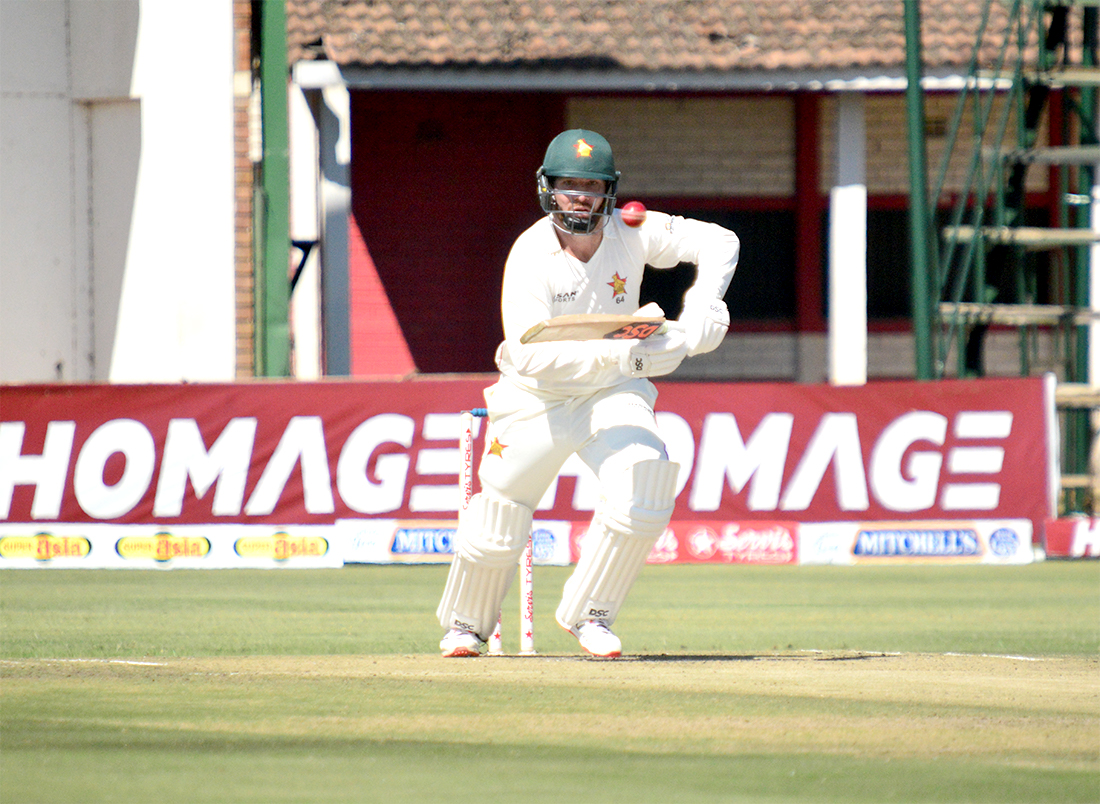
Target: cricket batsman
x: 591, y: 397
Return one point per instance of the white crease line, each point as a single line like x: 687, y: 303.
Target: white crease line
x: 86, y: 661
x: 998, y: 656
x: 869, y: 653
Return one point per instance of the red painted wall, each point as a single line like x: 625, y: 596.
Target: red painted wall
x: 442, y: 183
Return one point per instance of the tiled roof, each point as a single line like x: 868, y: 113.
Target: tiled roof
x: 640, y: 35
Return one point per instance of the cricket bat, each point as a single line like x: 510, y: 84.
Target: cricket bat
x: 593, y: 326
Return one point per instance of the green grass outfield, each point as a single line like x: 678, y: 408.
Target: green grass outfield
x: 740, y: 684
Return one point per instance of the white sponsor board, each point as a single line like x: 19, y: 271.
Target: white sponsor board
x: 139, y: 546
x: 979, y: 541
x: 427, y: 541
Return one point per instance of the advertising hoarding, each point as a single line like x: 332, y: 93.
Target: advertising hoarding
x: 345, y: 455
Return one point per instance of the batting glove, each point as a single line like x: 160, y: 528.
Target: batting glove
x: 705, y: 326
x: 653, y: 357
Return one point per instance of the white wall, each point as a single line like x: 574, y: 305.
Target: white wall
x: 37, y: 245
x: 116, y: 239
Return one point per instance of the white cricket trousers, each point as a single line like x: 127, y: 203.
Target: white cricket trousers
x: 528, y: 439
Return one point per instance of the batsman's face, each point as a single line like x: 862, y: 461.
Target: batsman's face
x: 579, y: 197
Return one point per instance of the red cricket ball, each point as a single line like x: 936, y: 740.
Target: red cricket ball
x: 633, y: 213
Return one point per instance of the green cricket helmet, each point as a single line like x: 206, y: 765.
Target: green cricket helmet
x: 578, y: 154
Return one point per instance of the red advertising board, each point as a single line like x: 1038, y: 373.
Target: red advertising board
x: 691, y: 542
x: 885, y: 450
x: 315, y: 453
x: 1076, y: 537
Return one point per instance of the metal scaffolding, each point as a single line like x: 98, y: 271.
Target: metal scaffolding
x: 984, y: 260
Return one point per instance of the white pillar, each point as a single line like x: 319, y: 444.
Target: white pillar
x: 333, y: 116
x: 848, y: 246
x: 176, y: 317
x: 1094, y: 286
x: 335, y: 132
x: 1094, y: 328
x: 305, y: 302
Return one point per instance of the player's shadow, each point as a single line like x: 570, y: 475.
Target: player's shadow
x: 691, y: 657
x: 753, y: 657
x: 701, y: 658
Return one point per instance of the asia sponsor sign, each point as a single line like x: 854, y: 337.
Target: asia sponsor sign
x: 42, y: 547
x: 322, y: 453
x: 144, y: 546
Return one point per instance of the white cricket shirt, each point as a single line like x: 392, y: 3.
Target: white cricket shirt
x: 542, y: 281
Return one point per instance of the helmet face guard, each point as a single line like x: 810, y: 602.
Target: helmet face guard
x: 578, y: 154
x: 577, y: 223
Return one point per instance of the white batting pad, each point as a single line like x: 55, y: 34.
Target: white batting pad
x: 622, y: 533
x: 493, y: 532
x: 491, y: 537
x: 641, y: 501
x: 471, y: 600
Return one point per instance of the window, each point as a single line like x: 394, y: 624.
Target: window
x: 763, y: 286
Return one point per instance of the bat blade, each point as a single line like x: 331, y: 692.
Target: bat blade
x: 593, y: 326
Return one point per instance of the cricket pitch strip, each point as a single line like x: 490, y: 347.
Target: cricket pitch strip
x: 1014, y: 710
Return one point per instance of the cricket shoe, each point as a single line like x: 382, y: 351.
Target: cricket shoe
x: 596, y: 638
x: 457, y: 643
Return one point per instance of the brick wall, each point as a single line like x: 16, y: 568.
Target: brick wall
x: 243, y: 181
x: 696, y: 146
x: 888, y: 149
x: 744, y: 147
